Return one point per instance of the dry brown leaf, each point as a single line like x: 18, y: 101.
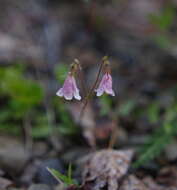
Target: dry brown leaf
x: 152, y: 185
x: 132, y: 183
x: 168, y: 176
x: 106, y: 168
x: 5, y: 183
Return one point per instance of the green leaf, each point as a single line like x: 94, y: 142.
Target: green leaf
x: 25, y: 92
x: 126, y: 108
x: 152, y: 149
x: 10, y: 128
x: 165, y: 19
x: 61, y: 72
x: 157, y: 142
x: 61, y: 178
x: 153, y: 112
x: 41, y: 131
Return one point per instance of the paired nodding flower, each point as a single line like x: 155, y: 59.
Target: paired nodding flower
x: 70, y: 90
x: 105, y: 85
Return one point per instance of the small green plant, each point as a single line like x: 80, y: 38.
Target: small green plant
x: 162, y: 136
x: 61, y: 178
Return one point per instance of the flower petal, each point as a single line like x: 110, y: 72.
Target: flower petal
x: 76, y: 95
x: 60, y: 92
x: 76, y: 91
x: 69, y: 89
x: 110, y: 91
x: 99, y: 91
x: 68, y: 96
x: 105, y: 85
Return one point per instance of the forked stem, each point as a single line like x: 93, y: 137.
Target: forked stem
x: 104, y: 62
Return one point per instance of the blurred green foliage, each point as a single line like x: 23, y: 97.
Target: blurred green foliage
x: 21, y: 95
x: 163, y: 22
x: 162, y: 40
x: 61, y: 71
x: 66, y: 124
x: 123, y: 109
x: 165, y: 19
x: 162, y: 136
x: 105, y: 103
x: 127, y: 107
x: 162, y: 119
x: 42, y: 128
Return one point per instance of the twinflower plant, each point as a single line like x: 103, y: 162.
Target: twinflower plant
x: 69, y: 90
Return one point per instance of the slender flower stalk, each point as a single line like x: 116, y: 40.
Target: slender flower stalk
x: 106, y: 63
x: 90, y: 92
x: 81, y: 77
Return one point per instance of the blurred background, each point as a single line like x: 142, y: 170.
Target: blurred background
x: 39, y: 40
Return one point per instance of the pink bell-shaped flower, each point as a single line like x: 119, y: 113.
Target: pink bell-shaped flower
x: 69, y: 89
x: 105, y: 85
